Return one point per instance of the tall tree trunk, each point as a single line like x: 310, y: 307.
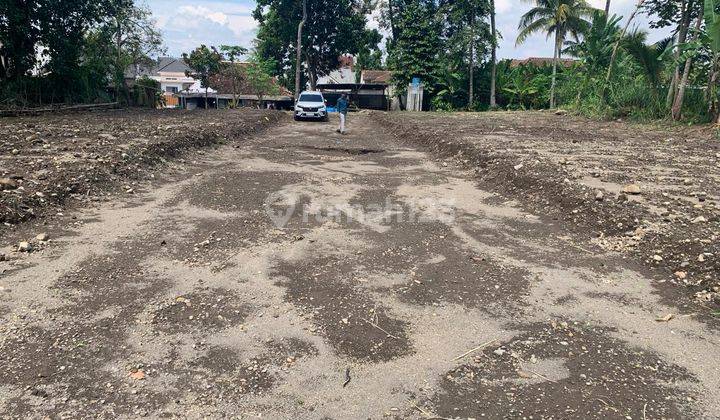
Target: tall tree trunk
x: 312, y: 73
x: 493, y: 55
x: 711, y: 91
x: 234, y: 87
x: 617, y: 45
x: 680, y: 97
x: 554, y: 72
x: 613, y: 56
x: 119, y: 73
x: 471, y: 72
x: 683, y: 26
x: 298, y: 58
x: 206, y: 97
x: 607, y: 7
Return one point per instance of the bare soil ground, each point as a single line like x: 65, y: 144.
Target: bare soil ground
x: 51, y: 161
x: 300, y: 274
x: 586, y: 172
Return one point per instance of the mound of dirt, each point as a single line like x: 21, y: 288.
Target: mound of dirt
x: 50, y: 161
x: 652, y: 192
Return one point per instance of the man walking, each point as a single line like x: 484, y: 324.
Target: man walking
x: 342, y: 108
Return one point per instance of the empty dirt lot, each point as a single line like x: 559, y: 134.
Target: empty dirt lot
x: 302, y: 274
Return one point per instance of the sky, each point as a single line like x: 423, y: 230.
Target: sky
x: 186, y: 24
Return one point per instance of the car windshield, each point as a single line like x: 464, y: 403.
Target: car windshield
x: 311, y: 98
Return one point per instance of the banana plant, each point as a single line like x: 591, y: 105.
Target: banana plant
x: 712, y: 38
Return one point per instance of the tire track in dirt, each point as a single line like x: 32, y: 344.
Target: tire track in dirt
x: 227, y: 314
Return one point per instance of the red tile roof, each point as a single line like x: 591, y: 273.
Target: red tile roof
x: 376, y: 76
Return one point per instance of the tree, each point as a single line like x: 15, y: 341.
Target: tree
x: 559, y: 18
x: 414, y: 50
x: 18, y: 36
x: 617, y: 42
x: 647, y: 57
x: 676, y: 110
x: 70, y: 50
x: 493, y: 57
x: 232, y: 69
x: 134, y: 39
x: 369, y: 56
x: 259, y: 77
x: 679, y: 15
x: 333, y: 28
x: 298, y: 53
x: 63, y: 25
x: 596, y: 48
x: 467, y: 31
x: 205, y: 62
x: 712, y: 35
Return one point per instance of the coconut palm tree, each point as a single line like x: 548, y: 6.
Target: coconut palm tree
x: 647, y: 57
x: 559, y: 18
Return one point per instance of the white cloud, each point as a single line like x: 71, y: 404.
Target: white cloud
x: 188, y: 23
x: 204, y: 13
x: 502, y: 6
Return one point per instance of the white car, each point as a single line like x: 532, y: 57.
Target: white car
x: 311, y: 105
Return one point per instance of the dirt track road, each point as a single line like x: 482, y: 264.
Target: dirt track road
x: 253, y: 281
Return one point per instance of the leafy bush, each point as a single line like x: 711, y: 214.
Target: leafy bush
x: 146, y: 93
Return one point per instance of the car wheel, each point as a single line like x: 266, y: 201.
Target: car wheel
x: 326, y: 119
x: 296, y: 118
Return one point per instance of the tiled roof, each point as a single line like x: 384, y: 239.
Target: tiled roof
x: 164, y: 64
x: 376, y: 76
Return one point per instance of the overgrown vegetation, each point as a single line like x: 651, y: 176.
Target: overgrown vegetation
x: 69, y: 51
x: 66, y: 51
x: 615, y: 72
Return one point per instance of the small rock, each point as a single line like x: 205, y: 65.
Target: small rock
x: 2, y: 257
x: 25, y: 247
x: 43, y: 237
x: 7, y: 184
x: 499, y: 352
x: 657, y: 257
x: 560, y: 112
x: 599, y: 196
x: 681, y: 275
x: 699, y: 219
x: 15, y: 152
x: 518, y: 167
x: 633, y: 189
x: 138, y: 375
x: 701, y: 258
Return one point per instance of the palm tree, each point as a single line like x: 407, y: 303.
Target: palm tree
x: 595, y: 50
x: 647, y: 57
x: 555, y: 17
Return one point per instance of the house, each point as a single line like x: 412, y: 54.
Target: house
x: 222, y: 96
x: 344, y: 74
x: 171, y: 73
x: 196, y: 100
x: 541, y: 62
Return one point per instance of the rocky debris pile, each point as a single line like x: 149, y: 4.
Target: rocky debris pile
x: 49, y: 160
x: 631, y: 189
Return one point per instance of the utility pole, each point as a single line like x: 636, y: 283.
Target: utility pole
x: 298, y: 58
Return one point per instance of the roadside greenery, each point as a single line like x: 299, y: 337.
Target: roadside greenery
x: 333, y: 28
x: 65, y: 51
x: 71, y: 51
x: 615, y: 73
